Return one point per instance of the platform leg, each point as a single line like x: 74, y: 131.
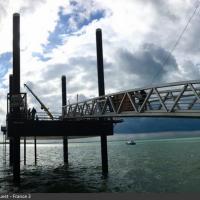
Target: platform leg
x: 11, y: 151
x: 65, y: 149
x: 24, y: 150
x: 16, y: 160
x: 64, y: 103
x: 104, y: 155
x: 35, y: 150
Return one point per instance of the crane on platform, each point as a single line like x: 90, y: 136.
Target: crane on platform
x: 40, y: 102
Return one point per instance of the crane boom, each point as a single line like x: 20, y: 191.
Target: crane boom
x: 40, y: 102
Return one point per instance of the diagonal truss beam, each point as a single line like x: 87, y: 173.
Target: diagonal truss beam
x: 164, y: 99
x: 160, y: 99
x: 195, y: 93
x: 132, y: 102
x: 145, y: 100
x: 178, y: 97
x: 121, y: 103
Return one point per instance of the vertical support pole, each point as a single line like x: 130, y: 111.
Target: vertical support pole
x: 65, y: 149
x: 35, y: 150
x: 11, y: 138
x: 16, y: 53
x: 16, y: 160
x: 11, y: 151
x: 5, y: 147
x: 100, y: 72
x: 24, y: 150
x: 16, y: 91
x: 64, y: 103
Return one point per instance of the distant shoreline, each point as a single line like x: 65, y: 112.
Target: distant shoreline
x: 137, y: 136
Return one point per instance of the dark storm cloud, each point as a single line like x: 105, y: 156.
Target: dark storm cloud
x: 78, y: 67
x: 83, y: 68
x: 74, y: 66
x: 147, y: 63
x: 83, y: 61
x: 55, y: 71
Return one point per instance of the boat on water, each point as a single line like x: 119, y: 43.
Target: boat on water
x: 131, y: 142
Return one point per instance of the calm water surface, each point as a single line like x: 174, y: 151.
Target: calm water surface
x: 154, y: 165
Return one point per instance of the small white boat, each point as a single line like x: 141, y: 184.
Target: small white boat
x: 131, y: 142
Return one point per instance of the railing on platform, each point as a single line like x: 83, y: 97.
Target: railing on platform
x: 17, y: 106
x: 16, y: 101
x: 180, y: 99
x: 45, y: 116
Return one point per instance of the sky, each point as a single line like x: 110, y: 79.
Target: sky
x: 58, y: 38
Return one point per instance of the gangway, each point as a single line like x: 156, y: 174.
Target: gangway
x: 179, y: 99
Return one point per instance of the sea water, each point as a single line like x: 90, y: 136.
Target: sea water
x: 152, y: 165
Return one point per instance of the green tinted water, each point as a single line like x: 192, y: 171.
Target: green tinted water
x: 154, y: 165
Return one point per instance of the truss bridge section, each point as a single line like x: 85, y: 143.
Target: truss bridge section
x: 179, y: 99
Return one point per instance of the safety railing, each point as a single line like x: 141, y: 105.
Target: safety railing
x: 45, y: 116
x: 174, y: 99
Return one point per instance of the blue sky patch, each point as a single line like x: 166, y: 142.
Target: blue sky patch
x: 65, y: 28
x: 40, y: 56
x: 5, y: 63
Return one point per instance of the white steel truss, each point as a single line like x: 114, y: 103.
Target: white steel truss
x: 180, y: 99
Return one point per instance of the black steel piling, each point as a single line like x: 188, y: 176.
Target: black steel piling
x: 4, y: 148
x: 35, y: 149
x: 64, y: 103
x: 16, y: 53
x: 24, y: 150
x: 16, y: 91
x: 16, y: 160
x: 11, y: 138
x: 100, y: 67
x: 101, y: 88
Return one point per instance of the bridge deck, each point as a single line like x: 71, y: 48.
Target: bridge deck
x: 180, y: 99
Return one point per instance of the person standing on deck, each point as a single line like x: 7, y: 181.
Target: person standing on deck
x: 33, y: 113
x: 29, y: 113
x: 143, y: 97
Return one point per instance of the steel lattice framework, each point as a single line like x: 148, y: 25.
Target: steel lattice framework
x: 180, y: 99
